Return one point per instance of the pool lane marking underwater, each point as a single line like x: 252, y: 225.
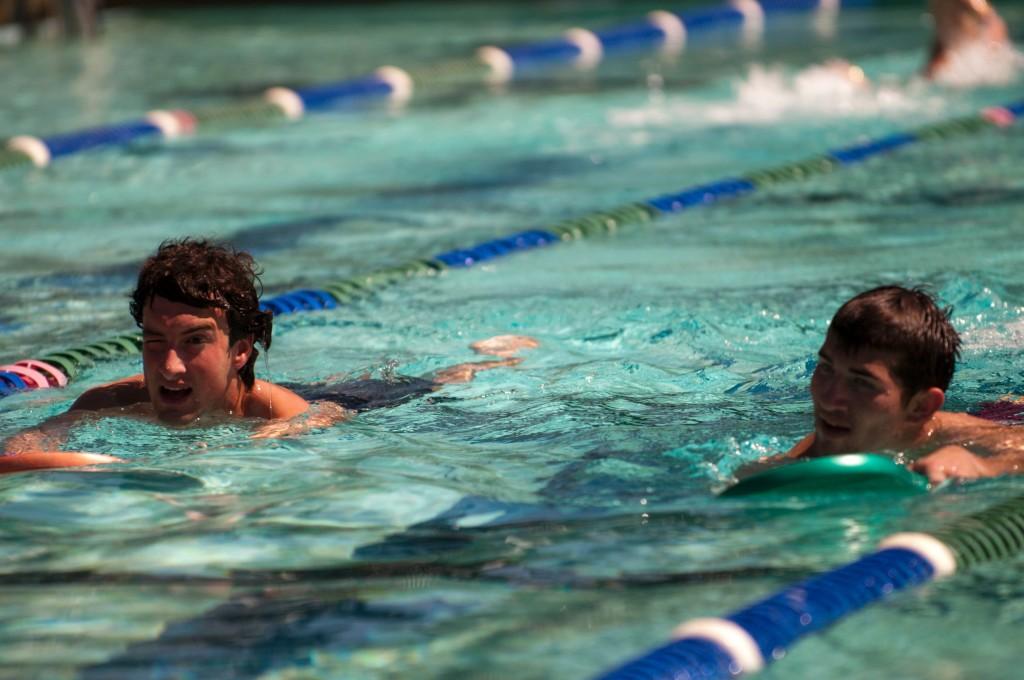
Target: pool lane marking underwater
x: 750, y: 638
x: 356, y: 288
x: 578, y: 47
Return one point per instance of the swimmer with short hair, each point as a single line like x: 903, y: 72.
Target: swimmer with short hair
x: 197, y: 304
x: 881, y: 382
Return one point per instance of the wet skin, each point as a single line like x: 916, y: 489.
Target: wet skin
x: 190, y: 366
x: 858, y: 405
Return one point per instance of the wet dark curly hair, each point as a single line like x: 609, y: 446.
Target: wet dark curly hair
x: 206, y: 274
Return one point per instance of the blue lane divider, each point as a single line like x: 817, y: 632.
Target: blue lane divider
x: 537, y: 55
x: 583, y: 48
x: 321, y: 97
x: 690, y: 659
x: 705, y: 194
x: 860, y: 152
x: 708, y: 193
x: 14, y: 379
x: 790, y: 6
x: 467, y: 257
x: 318, y: 299
x: 281, y: 304
x: 778, y: 621
x: 306, y: 299
x: 630, y: 37
x: 711, y: 17
x: 763, y: 631
x: 67, y: 144
x: 611, y: 220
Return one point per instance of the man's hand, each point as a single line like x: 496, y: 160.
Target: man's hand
x: 504, y: 345
x: 463, y: 373
x: 955, y: 462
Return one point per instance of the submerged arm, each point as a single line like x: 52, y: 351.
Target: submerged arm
x: 975, y: 449
x: 982, y: 451
x: 38, y: 448
x: 317, y: 415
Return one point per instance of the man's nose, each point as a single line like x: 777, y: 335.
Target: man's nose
x: 172, y: 366
x: 833, y: 393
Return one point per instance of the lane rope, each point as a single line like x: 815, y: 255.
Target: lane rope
x: 68, y: 363
x: 748, y: 639
x: 578, y: 48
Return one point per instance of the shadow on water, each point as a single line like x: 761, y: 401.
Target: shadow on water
x: 274, y: 618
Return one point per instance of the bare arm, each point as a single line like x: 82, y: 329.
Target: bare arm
x: 317, y: 415
x: 972, y: 448
x: 802, y: 449
x: 39, y: 447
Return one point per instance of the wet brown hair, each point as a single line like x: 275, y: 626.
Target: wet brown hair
x: 907, y: 323
x: 207, y: 274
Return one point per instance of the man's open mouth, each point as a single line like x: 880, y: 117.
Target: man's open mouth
x: 174, y: 395
x: 832, y: 428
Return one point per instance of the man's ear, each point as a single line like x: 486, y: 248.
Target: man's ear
x: 243, y: 350
x: 925, y: 404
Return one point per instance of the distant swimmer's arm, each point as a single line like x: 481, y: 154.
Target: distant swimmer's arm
x: 502, y: 346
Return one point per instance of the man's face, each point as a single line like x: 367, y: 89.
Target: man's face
x: 858, y: 406
x: 190, y: 367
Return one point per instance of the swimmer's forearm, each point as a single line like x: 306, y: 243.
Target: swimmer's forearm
x: 32, y: 441
x: 43, y: 460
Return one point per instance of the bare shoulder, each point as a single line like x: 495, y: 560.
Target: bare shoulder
x: 958, y: 428
x: 270, y: 401
x: 124, y: 392
x: 949, y: 421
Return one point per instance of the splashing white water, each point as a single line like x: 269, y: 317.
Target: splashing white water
x: 768, y: 94
x: 981, y: 63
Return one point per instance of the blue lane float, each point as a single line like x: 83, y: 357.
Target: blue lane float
x: 41, y: 150
x: 638, y: 36
x: 750, y: 638
x: 725, y: 16
x: 13, y: 380
x: 597, y: 223
x: 756, y: 635
x: 708, y: 193
x: 861, y: 152
x: 552, y: 52
x: 488, y: 250
x: 387, y: 82
x: 577, y: 47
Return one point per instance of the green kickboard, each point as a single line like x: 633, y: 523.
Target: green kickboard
x: 846, y: 474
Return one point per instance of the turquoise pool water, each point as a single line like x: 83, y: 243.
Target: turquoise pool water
x: 546, y: 521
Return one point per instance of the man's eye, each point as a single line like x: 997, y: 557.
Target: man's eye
x: 864, y: 384
x: 197, y: 340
